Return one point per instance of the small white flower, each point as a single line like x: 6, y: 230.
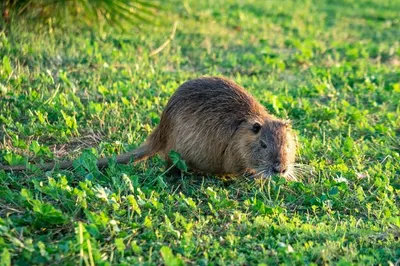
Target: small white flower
x: 341, y: 179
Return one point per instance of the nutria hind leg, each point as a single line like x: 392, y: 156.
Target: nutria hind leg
x: 173, y: 171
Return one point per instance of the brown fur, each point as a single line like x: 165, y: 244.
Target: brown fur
x: 210, y: 121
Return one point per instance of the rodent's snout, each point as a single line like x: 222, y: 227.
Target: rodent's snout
x: 279, y: 169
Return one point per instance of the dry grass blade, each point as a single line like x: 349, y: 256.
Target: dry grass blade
x: 171, y: 37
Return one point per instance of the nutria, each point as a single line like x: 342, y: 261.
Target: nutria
x: 218, y: 128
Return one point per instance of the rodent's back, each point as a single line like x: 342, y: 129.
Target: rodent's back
x: 212, y: 101
x: 215, y: 95
x: 201, y: 118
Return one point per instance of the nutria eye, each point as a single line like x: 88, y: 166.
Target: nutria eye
x: 256, y: 128
x: 263, y: 145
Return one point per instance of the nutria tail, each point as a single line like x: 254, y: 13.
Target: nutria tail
x: 137, y: 155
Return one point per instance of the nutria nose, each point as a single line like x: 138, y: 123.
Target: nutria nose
x: 279, y: 169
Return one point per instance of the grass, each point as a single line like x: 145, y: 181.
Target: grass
x: 332, y: 68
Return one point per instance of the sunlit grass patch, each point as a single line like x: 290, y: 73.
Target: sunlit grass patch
x: 329, y: 67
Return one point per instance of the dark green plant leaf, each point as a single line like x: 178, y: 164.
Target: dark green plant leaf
x: 334, y: 190
x: 177, y: 160
x: 86, y: 164
x: 47, y: 214
x: 14, y: 159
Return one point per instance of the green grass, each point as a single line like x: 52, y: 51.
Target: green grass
x: 332, y: 68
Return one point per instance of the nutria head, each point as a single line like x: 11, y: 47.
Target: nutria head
x: 268, y: 147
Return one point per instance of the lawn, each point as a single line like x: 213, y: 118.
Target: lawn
x: 332, y: 67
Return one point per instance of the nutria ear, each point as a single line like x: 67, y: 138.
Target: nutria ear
x: 256, y: 127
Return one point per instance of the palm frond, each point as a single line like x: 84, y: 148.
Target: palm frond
x: 123, y: 13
